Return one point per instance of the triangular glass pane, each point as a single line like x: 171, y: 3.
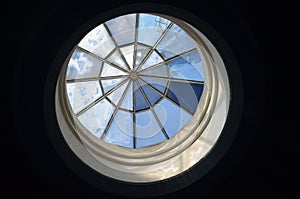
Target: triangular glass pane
x: 171, y: 116
x: 128, y: 99
x: 188, y: 67
x: 148, y: 131
x: 175, y: 42
x: 108, y: 84
x: 151, y: 95
x: 98, y: 42
x: 151, y: 28
x: 117, y: 59
x: 117, y: 94
x: 159, y: 84
x: 153, y: 59
x: 140, y: 102
x: 121, y: 130
x: 179, y: 91
x: 128, y: 54
x: 81, y: 94
x: 141, y: 53
x: 123, y: 28
x: 96, y: 118
x: 159, y: 71
x: 109, y: 71
x: 82, y: 65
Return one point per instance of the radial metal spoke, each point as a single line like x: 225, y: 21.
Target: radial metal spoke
x: 118, y: 49
x: 134, y: 116
x: 101, y: 59
x: 153, y: 112
x: 169, y: 60
x: 136, y: 39
x: 173, y: 79
x: 154, y: 46
x: 115, y: 111
x: 165, y: 96
x: 95, y: 78
x: 101, y: 98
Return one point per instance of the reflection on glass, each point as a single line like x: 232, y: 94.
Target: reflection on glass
x: 111, y: 83
x: 121, y: 130
x: 98, y: 42
x: 128, y: 54
x: 128, y: 99
x: 141, y: 53
x: 186, y: 95
x: 159, y: 71
x: 153, y: 59
x: 148, y: 131
x: 172, y: 116
x: 123, y: 29
x: 96, y: 118
x: 116, y: 95
x: 151, y: 95
x: 175, y: 42
x: 151, y: 28
x: 159, y: 84
x: 81, y: 94
x: 82, y: 65
x: 139, y: 99
x: 109, y: 70
x: 187, y: 67
x: 116, y: 59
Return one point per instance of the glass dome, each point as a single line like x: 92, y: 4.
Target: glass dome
x: 135, y: 80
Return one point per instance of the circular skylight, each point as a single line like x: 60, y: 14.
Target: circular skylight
x: 135, y: 81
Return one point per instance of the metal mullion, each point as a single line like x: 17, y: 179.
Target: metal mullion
x: 168, y: 60
x: 95, y: 78
x: 155, y: 45
x: 135, y: 39
x: 134, y: 116
x: 165, y: 96
x: 101, y: 59
x: 173, y: 79
x: 118, y: 49
x: 153, y: 112
x: 101, y: 98
x: 115, y: 111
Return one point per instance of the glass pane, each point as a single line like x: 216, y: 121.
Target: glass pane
x: 111, y: 83
x: 121, y: 130
x: 123, y: 28
x: 96, y: 118
x: 175, y: 42
x: 98, y: 42
x: 141, y: 52
x: 153, y: 59
x: 81, y: 94
x: 150, y: 28
x: 152, y: 96
x: 82, y: 65
x: 186, y: 95
x: 117, y: 60
x: 128, y: 99
x: 187, y: 67
x: 128, y: 54
x: 117, y: 94
x: 148, y: 131
x: 159, y: 84
x: 171, y: 116
x: 159, y: 71
x: 109, y: 70
x: 140, y: 101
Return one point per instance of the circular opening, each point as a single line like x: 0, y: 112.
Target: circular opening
x: 142, y: 97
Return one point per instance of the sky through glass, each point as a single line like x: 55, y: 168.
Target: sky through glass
x: 135, y: 81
